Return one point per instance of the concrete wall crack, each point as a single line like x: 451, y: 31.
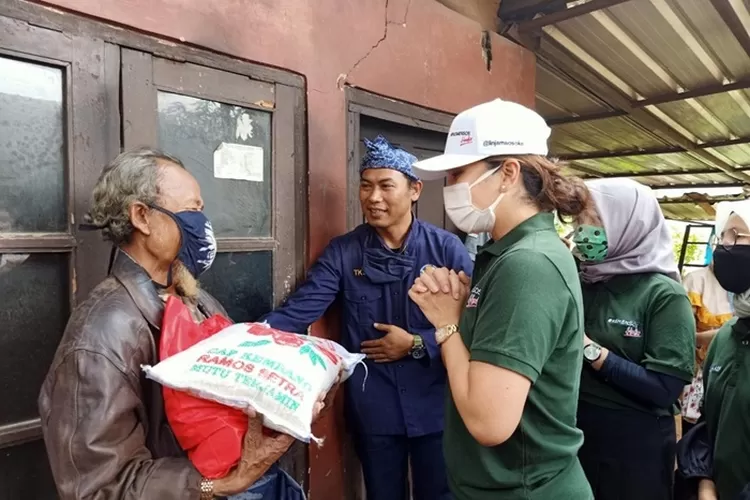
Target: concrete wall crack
x: 342, y: 79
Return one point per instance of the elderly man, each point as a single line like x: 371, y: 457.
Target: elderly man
x: 398, y: 418
x: 104, y: 425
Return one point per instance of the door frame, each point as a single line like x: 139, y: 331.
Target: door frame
x: 360, y: 102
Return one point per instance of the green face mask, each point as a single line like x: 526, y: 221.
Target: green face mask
x: 591, y: 243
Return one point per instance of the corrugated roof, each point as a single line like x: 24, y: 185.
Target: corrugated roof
x: 654, y: 89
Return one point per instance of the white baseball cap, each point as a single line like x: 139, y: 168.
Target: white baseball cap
x: 495, y: 128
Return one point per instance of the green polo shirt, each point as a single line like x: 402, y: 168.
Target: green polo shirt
x: 726, y: 406
x: 646, y: 319
x: 524, y: 313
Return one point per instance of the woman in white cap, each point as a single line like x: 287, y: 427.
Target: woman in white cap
x: 726, y: 371
x: 510, y: 341
x: 639, y: 347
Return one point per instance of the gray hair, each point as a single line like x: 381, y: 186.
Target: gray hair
x: 131, y: 177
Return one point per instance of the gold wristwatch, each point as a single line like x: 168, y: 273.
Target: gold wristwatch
x: 444, y: 332
x: 207, y: 489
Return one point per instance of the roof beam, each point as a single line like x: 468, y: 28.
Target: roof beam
x: 602, y: 115
x: 695, y: 186
x: 724, y: 142
x: 596, y: 155
x: 716, y: 88
x: 557, y: 57
x: 730, y: 17
x: 667, y: 173
x: 692, y: 94
x: 564, y: 15
x: 702, y: 199
x: 516, y: 10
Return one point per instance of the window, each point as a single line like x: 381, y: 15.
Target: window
x: 41, y: 172
x: 71, y: 97
x: 235, y: 135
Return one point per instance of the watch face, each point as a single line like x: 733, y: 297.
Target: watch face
x: 418, y: 353
x: 592, y: 352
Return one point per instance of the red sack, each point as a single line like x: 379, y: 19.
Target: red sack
x: 209, y: 432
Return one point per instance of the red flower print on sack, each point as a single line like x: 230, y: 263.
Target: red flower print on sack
x: 288, y: 339
x: 327, y: 351
x: 279, y: 337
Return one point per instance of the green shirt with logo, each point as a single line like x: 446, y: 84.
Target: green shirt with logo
x: 646, y: 319
x: 726, y: 406
x: 524, y: 313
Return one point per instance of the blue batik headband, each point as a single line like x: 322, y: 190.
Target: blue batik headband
x: 381, y: 154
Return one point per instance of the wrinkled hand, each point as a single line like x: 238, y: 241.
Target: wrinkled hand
x: 394, y: 345
x: 441, y: 294
x: 260, y: 450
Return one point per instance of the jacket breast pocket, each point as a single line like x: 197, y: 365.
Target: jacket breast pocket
x: 365, y: 304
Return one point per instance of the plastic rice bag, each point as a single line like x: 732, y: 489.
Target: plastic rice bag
x: 247, y: 366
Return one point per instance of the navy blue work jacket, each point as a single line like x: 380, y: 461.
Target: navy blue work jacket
x: 405, y: 397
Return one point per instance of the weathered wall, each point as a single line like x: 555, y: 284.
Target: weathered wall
x: 418, y: 51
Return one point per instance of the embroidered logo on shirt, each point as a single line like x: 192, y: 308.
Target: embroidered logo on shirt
x: 715, y: 368
x: 632, y: 328
x: 359, y: 273
x: 473, y: 299
x: 633, y: 332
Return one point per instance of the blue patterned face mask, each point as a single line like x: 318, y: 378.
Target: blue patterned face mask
x: 198, y: 244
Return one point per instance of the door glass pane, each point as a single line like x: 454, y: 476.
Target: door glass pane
x: 236, y: 187
x: 25, y: 473
x: 34, y: 297
x: 32, y: 149
x: 242, y: 283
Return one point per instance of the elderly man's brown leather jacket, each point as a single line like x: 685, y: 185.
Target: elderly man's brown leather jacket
x: 104, y: 425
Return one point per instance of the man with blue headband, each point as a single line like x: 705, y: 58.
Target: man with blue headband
x: 396, y: 419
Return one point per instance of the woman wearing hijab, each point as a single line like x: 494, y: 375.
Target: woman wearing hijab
x: 726, y: 371
x: 510, y: 343
x: 711, y: 308
x: 639, y: 344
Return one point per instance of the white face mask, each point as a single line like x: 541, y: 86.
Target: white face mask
x: 462, y: 212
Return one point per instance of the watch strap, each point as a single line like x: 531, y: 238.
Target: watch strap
x: 418, y: 343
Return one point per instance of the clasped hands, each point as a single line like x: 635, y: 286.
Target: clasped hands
x: 441, y: 295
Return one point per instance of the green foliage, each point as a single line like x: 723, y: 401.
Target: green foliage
x: 693, y: 253
x: 562, y: 229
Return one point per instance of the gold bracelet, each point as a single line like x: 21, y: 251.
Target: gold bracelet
x: 443, y: 333
x: 207, y: 489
